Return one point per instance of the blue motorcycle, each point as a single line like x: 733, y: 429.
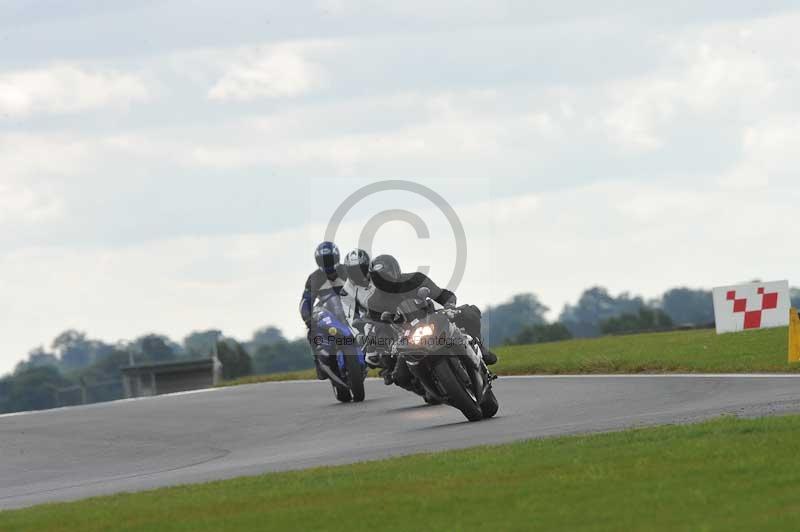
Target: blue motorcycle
x: 339, y: 353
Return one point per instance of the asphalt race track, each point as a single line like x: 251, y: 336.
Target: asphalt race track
x: 130, y: 445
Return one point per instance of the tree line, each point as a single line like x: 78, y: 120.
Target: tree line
x: 53, y: 376
x: 73, y: 362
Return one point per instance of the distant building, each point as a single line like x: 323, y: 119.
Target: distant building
x: 169, y: 377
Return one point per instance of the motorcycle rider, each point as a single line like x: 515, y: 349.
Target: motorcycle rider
x: 329, y: 277
x: 355, y: 300
x: 392, y: 287
x: 357, y: 289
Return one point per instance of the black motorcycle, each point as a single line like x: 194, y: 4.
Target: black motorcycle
x: 445, y: 360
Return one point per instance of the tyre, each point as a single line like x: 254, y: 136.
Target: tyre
x: 489, y: 405
x: 355, y: 377
x: 457, y: 390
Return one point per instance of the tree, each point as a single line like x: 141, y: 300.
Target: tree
x: 264, y: 336
x: 104, y: 378
x: 73, y: 348
x: 156, y: 348
x: 595, y: 306
x: 508, y: 319
x: 37, y: 357
x: 31, y: 389
x: 689, y: 307
x: 541, y: 333
x: 109, y: 366
x: 283, y: 356
x: 200, y: 344
x: 100, y: 350
x: 234, y: 359
x: 646, y: 320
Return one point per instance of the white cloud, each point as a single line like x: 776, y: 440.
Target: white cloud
x: 67, y: 88
x: 28, y: 156
x: 278, y: 71
x: 771, y: 155
x: 28, y: 205
x: 34, y: 168
x: 732, y: 71
x: 455, y: 133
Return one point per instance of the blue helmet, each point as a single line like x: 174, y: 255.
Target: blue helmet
x: 327, y: 257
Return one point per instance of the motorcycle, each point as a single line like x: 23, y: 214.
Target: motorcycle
x: 338, y: 351
x: 446, y: 360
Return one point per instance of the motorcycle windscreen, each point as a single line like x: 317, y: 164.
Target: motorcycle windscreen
x: 412, y: 309
x: 333, y: 304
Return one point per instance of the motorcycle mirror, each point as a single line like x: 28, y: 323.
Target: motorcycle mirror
x: 424, y: 293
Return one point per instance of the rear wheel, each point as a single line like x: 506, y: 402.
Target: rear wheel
x: 355, y: 377
x: 458, y: 391
x: 489, y: 405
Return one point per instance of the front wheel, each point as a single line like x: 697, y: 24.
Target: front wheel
x: 355, y: 377
x: 458, y: 392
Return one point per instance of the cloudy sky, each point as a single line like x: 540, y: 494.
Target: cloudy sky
x: 171, y: 166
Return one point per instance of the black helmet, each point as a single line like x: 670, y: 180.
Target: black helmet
x: 357, y: 265
x: 386, y: 267
x: 327, y: 257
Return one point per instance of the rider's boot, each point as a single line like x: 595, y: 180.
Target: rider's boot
x: 489, y: 358
x: 388, y: 363
x: 373, y: 359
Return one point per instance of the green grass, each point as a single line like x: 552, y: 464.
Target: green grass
x: 698, y: 351
x: 305, y: 374
x: 702, y: 351
x: 727, y: 474
x: 272, y: 377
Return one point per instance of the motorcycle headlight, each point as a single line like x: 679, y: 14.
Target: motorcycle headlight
x: 332, y: 331
x: 420, y: 333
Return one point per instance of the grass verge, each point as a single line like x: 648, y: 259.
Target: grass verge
x: 726, y: 474
x: 700, y: 351
x: 272, y: 377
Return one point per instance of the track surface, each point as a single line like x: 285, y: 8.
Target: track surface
x: 132, y: 445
